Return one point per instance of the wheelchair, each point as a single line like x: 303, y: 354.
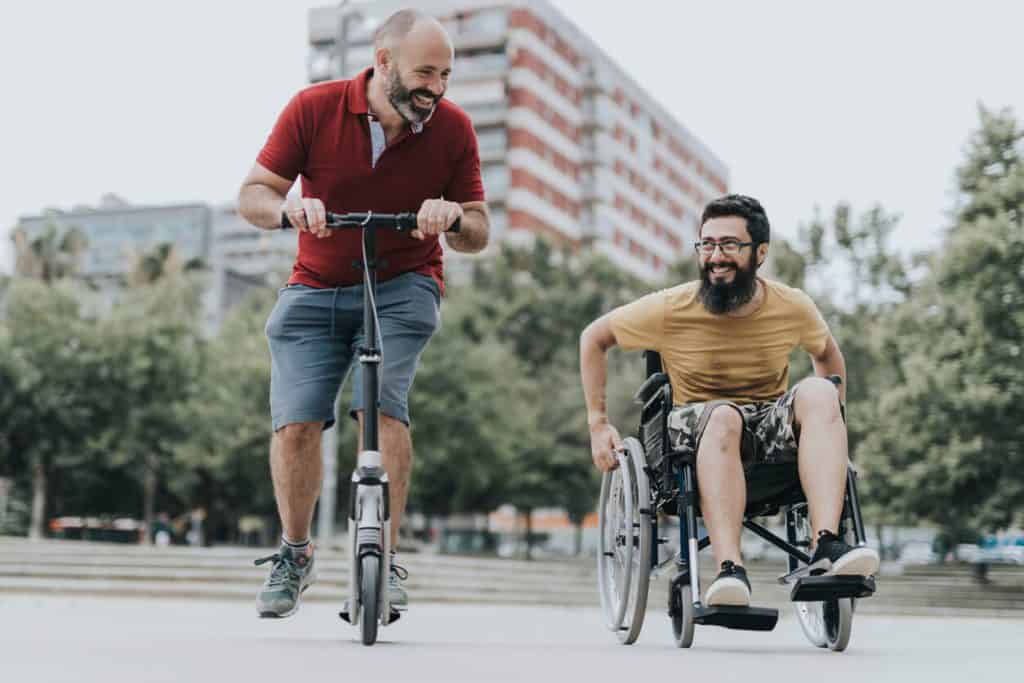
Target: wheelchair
x: 652, y: 479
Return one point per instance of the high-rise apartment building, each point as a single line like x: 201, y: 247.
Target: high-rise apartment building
x: 571, y: 147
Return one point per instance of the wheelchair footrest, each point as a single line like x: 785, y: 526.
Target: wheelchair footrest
x: 820, y: 588
x: 743, y: 618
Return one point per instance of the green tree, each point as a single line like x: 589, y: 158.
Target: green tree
x: 49, y: 258
x: 948, y: 437
x: 221, y: 466
x: 471, y: 408
x: 155, y: 329
x: 59, y: 365
x: 536, y: 301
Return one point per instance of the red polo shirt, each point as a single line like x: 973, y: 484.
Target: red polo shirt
x: 324, y: 135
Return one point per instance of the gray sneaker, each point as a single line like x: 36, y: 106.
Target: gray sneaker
x: 397, y: 596
x: 289, y: 577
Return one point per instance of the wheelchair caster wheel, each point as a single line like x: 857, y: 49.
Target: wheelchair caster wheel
x: 681, y: 612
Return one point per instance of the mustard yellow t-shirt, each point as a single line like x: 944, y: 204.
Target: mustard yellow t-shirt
x: 710, y: 357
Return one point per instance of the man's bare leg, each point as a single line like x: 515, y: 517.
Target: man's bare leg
x: 823, y: 464
x: 296, y: 469
x: 723, y: 489
x: 822, y: 455
x: 396, y: 454
x: 296, y: 466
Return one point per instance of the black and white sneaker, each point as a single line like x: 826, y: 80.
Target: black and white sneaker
x: 730, y: 587
x: 834, y: 556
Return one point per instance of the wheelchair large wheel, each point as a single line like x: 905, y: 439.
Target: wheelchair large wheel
x: 643, y: 540
x: 614, y: 553
x: 812, y: 623
x: 681, y: 611
x: 808, y: 614
x: 828, y: 623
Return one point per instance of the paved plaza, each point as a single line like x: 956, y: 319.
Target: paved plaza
x: 113, y: 640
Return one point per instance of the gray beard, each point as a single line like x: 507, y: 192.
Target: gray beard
x: 400, y: 97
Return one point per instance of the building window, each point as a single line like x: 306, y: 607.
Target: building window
x: 495, y: 178
x: 485, y: 21
x: 358, y: 58
x: 319, y: 63
x: 493, y: 140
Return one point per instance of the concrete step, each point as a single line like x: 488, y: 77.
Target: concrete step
x: 85, y: 568
x: 319, y: 592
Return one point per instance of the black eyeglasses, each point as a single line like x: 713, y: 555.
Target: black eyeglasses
x: 728, y: 247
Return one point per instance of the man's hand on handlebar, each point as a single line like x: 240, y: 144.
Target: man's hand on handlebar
x: 435, y: 216
x: 307, y: 214
x: 604, y: 442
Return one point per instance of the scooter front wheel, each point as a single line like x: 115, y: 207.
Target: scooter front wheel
x: 369, y: 589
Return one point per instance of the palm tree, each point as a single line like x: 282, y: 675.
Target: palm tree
x: 157, y: 266
x: 162, y: 262
x: 50, y: 257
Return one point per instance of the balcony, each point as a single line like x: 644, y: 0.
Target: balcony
x: 594, y: 156
x: 481, y: 67
x: 471, y: 40
x: 486, y: 114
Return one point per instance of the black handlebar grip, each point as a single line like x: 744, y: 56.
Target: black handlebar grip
x: 409, y: 222
x: 406, y: 221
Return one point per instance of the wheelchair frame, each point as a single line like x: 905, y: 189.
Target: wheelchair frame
x: 666, y: 482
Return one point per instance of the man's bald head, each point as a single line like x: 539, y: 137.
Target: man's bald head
x: 413, y: 58
x: 405, y: 24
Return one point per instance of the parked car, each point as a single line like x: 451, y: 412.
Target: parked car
x: 918, y: 552
x: 111, y: 530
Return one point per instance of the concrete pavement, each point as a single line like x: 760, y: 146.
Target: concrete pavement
x: 115, y: 640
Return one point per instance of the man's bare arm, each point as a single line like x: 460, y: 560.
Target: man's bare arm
x: 831, y: 362
x: 262, y: 197
x: 595, y: 341
x: 475, y: 229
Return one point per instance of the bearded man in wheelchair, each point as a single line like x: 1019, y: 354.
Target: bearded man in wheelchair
x: 725, y: 342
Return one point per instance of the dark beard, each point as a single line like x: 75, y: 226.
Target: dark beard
x: 727, y: 296
x: 400, y: 98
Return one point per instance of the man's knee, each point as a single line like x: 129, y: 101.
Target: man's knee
x: 297, y: 437
x: 817, y: 397
x: 384, y: 420
x: 722, y: 431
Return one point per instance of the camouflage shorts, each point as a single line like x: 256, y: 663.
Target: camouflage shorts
x: 768, y: 429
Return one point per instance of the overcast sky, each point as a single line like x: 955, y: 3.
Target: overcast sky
x: 808, y: 103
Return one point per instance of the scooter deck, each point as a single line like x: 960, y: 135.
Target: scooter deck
x: 344, y: 614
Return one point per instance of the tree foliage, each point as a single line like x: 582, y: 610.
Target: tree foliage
x: 948, y: 432
x: 124, y: 409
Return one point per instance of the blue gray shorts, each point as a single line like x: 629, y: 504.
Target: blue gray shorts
x: 314, y: 337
